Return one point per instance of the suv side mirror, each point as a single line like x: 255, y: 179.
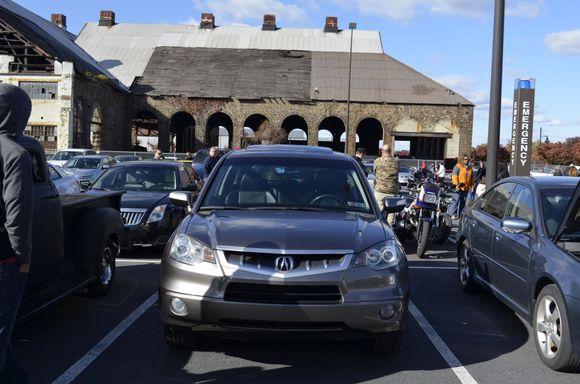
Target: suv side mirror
x: 180, y: 199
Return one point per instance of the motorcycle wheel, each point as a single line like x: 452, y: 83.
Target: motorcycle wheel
x: 442, y: 231
x: 422, y: 237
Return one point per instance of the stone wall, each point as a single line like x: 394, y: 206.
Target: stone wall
x: 454, y: 121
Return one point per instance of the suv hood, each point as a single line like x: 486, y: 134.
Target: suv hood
x: 143, y: 200
x: 287, y: 231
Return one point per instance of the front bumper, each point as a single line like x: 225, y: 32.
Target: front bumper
x: 152, y: 234
x: 364, y: 294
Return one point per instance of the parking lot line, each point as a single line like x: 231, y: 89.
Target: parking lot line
x: 92, y: 355
x: 462, y: 374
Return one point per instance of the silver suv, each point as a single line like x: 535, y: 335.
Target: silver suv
x: 284, y: 239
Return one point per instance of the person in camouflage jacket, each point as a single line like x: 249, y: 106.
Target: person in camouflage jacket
x: 386, y: 169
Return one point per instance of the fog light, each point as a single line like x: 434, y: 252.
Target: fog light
x: 387, y: 312
x: 178, y: 306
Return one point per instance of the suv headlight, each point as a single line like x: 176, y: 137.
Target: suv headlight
x: 157, y: 213
x: 190, y: 251
x: 380, y: 256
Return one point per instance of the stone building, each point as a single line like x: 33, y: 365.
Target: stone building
x: 70, y: 92
x: 194, y: 86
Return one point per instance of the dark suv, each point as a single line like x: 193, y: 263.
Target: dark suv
x: 285, y: 239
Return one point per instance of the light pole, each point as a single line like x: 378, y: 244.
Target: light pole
x: 352, y: 27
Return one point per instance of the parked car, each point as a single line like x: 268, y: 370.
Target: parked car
x: 150, y: 217
x: 61, y: 157
x: 404, y: 174
x: 521, y: 240
x: 123, y: 158
x: 284, y: 238
x: 75, y: 239
x: 200, y: 156
x: 88, y: 168
x: 65, y: 183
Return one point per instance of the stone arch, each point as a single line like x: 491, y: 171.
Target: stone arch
x: 370, y: 132
x: 96, y: 129
x: 296, y: 129
x: 182, y: 132
x: 336, y: 127
x: 219, y: 130
x: 144, y: 131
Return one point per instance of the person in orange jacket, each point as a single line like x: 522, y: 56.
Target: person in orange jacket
x: 462, y: 180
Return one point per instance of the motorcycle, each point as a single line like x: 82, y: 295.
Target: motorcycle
x: 424, y: 216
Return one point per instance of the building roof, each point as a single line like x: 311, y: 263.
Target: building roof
x: 291, y: 75
x: 125, y: 49
x: 53, y: 40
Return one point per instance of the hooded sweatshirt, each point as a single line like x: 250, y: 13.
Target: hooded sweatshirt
x: 15, y: 176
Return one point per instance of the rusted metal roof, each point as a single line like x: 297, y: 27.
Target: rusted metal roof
x: 375, y: 78
x: 125, y: 49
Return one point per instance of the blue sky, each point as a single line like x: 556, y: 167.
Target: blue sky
x: 447, y: 40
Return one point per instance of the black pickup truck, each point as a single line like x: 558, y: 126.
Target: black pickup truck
x: 75, y: 239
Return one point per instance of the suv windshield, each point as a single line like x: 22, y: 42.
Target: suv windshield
x: 286, y: 183
x: 83, y: 163
x: 138, y: 178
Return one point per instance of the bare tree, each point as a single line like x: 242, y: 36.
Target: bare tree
x: 195, y: 107
x: 269, y: 134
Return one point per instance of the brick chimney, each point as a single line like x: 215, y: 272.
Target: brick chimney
x: 269, y: 23
x: 58, y: 20
x: 107, y: 19
x: 331, y: 24
x: 207, y: 21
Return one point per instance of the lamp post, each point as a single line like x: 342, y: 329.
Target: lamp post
x: 352, y: 27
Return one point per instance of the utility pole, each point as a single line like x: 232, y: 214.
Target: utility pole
x: 495, y: 100
x: 352, y: 27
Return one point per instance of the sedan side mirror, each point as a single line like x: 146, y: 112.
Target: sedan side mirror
x: 180, y: 199
x: 516, y: 225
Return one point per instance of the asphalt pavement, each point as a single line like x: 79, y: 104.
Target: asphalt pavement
x: 451, y: 337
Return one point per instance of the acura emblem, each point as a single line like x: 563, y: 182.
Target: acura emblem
x: 284, y: 263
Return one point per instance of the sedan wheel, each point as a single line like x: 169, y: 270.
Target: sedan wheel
x: 552, y: 332
x: 466, y: 270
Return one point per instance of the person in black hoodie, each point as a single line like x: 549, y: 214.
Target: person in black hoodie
x: 15, y: 221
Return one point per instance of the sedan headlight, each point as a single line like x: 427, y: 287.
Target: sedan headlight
x: 157, y: 213
x: 190, y: 251
x: 381, y: 256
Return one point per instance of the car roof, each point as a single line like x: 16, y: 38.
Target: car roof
x: 148, y: 163
x: 91, y: 157
x: 288, y: 150
x: 546, y: 181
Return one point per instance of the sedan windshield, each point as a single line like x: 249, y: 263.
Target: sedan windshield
x: 83, y: 163
x: 65, y: 155
x: 554, y: 203
x: 138, y: 178
x: 287, y: 183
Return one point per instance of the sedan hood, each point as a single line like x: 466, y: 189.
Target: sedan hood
x: 287, y: 231
x: 145, y: 200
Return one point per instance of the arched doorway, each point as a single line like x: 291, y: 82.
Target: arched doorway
x: 182, y: 132
x: 297, y: 129
x: 144, y: 131
x: 219, y: 130
x: 336, y: 127
x: 251, y: 125
x: 370, y: 132
x: 95, y: 132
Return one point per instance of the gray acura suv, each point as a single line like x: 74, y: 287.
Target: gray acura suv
x: 289, y: 240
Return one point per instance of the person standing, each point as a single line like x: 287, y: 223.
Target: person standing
x: 15, y: 221
x: 210, y: 161
x: 359, y: 156
x: 462, y: 180
x: 440, y: 173
x: 386, y: 169
x: 158, y: 155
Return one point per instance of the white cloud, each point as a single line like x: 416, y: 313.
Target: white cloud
x: 244, y: 12
x: 567, y: 42
x: 528, y: 9
x: 544, y: 120
x: 469, y: 8
x: 467, y: 87
x: 393, y: 9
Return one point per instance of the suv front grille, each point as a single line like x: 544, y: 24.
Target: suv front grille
x: 282, y: 294
x: 132, y: 216
x: 302, y: 263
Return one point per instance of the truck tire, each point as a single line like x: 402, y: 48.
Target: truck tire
x: 105, y: 270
